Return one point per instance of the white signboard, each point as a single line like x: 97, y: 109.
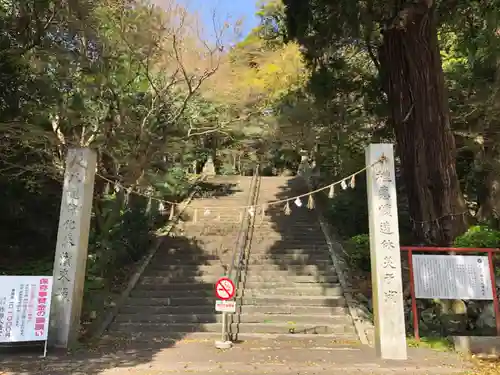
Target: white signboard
x: 24, y: 308
x: 225, y: 306
x: 452, y: 277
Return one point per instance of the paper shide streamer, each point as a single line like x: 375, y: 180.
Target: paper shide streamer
x: 288, y: 210
x: 310, y: 202
x: 331, y: 193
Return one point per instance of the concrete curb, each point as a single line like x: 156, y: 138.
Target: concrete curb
x: 144, y: 263
x: 361, y: 323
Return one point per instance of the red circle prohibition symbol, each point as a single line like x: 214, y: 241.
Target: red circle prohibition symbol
x: 224, y: 288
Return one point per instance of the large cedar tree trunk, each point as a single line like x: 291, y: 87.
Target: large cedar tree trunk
x: 413, y: 80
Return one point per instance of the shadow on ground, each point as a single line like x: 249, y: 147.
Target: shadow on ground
x: 210, y: 188
x: 138, y: 334
x: 170, y: 301
x: 301, y: 231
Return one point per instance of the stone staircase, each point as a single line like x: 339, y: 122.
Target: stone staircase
x: 290, y: 286
x: 287, y: 287
x: 175, y: 296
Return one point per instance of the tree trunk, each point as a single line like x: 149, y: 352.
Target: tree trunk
x: 413, y: 80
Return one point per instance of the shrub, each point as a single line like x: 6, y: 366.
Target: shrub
x: 479, y: 236
x: 348, y: 211
x: 357, y: 251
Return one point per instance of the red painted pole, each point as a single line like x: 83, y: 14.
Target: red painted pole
x: 494, y: 289
x: 413, y: 298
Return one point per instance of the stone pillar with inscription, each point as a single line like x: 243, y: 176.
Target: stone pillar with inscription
x: 387, y: 284
x: 71, y: 248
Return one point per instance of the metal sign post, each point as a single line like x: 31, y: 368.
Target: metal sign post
x: 224, y: 291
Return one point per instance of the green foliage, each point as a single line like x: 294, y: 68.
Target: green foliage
x: 479, y: 237
x: 435, y: 343
x: 357, y: 250
x: 348, y: 211
x: 226, y: 169
x: 120, y: 235
x: 102, y: 75
x: 172, y: 183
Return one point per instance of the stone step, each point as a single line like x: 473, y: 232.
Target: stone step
x: 185, y: 274
x: 286, y: 283
x: 292, y: 269
x: 287, y: 278
x: 213, y: 215
x: 206, y: 283
x: 224, y: 222
x: 141, y: 299
x: 290, y: 300
x: 157, y: 269
x: 146, y: 308
x: 278, y: 249
x: 303, y: 258
x: 313, y: 250
x: 210, y: 224
x: 204, y: 290
x: 235, y: 201
x: 213, y: 231
x: 287, y: 309
x: 175, y: 288
x: 290, y: 242
x: 197, y: 283
x: 165, y: 328
x: 322, y: 263
x: 318, y: 290
x: 253, y: 276
x: 279, y: 227
x: 146, y: 317
x: 228, y: 221
x: 243, y: 318
x: 209, y: 309
x: 151, y: 338
x: 179, y: 255
x: 271, y: 220
x: 269, y: 224
x: 202, y: 275
x: 151, y: 291
x: 271, y: 328
x: 290, y: 319
x: 167, y: 262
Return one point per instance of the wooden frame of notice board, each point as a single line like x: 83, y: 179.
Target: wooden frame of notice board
x: 455, y: 276
x: 25, y: 309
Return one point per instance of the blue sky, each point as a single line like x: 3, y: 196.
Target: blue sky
x: 231, y: 10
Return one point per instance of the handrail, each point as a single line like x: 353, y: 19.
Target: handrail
x: 239, y: 248
x: 249, y: 224
x: 239, y: 251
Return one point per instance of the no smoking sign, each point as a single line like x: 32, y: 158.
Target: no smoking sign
x: 224, y: 289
